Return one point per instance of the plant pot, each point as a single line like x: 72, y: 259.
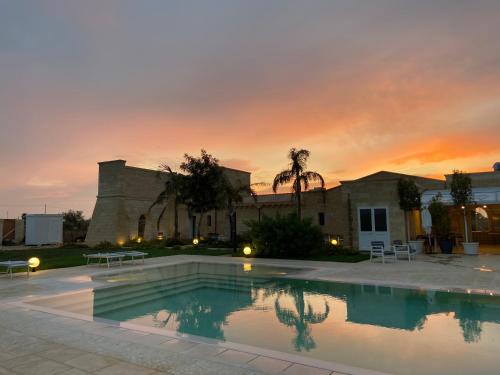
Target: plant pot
x: 417, y: 246
x: 446, y: 246
x: 471, y: 248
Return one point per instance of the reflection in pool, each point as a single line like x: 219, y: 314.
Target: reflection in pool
x: 395, y: 330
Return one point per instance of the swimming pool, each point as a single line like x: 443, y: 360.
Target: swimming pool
x: 393, y: 330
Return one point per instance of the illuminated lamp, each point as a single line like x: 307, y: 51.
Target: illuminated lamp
x: 196, y: 241
x: 139, y: 239
x: 33, y: 263
x: 334, y: 242
x: 247, y: 250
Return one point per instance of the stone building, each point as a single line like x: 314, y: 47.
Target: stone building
x: 357, y: 211
x: 125, y: 195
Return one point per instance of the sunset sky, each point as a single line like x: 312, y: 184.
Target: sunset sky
x: 407, y: 86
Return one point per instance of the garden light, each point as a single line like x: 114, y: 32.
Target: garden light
x: 247, y: 250
x: 139, y: 239
x: 34, y: 262
x: 196, y: 241
x: 334, y: 242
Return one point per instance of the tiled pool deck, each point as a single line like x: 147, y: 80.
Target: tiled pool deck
x: 37, y: 342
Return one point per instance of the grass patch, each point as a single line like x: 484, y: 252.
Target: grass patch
x: 72, y: 257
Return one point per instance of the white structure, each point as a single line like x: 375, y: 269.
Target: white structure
x: 44, y: 229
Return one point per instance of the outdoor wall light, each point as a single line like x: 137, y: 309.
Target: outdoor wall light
x: 196, y: 241
x: 121, y: 242
x: 160, y: 236
x: 247, y: 250
x: 33, y: 263
x: 463, y: 207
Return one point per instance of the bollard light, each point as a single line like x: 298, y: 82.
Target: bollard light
x: 196, y: 241
x: 247, y: 250
x: 33, y: 262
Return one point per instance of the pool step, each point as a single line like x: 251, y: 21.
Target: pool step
x: 110, y: 303
x: 122, y: 296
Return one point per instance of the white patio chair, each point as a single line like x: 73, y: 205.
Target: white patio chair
x: 404, y: 250
x: 377, y: 250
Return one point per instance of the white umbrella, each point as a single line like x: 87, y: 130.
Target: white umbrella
x: 427, y: 223
x: 426, y: 220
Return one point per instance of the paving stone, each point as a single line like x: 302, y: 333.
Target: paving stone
x: 91, y: 362
x: 236, y: 356
x: 297, y: 369
x: 124, y: 368
x: 204, y: 350
x: 269, y: 365
x: 74, y: 371
x: 177, y: 345
x: 41, y: 367
x: 62, y: 353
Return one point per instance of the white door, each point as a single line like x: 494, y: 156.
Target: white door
x: 373, y: 226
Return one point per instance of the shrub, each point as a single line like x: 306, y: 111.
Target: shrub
x: 169, y: 242
x: 285, y: 236
x: 73, y: 245
x: 106, y: 245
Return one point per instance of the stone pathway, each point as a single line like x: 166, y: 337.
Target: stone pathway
x: 29, y: 355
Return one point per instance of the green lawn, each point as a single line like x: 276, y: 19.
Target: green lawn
x: 71, y: 257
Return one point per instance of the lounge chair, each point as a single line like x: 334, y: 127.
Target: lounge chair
x: 133, y: 254
x: 9, y: 265
x: 377, y: 250
x: 400, y: 249
x: 108, y: 257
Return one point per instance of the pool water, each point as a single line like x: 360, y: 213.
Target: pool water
x: 393, y: 330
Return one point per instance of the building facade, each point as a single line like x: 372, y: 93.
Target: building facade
x: 357, y: 211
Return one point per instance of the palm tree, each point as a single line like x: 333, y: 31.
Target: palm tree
x: 297, y: 175
x: 173, y: 190
x: 301, y: 318
x: 234, y: 194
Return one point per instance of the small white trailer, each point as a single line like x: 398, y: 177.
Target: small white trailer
x: 44, y: 229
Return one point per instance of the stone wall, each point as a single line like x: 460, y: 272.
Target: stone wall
x: 125, y: 193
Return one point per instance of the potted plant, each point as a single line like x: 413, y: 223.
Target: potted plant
x: 461, y: 192
x: 409, y: 200
x: 441, y: 224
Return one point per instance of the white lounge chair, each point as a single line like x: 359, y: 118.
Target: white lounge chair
x: 9, y: 265
x: 133, y: 255
x: 108, y: 257
x: 377, y: 250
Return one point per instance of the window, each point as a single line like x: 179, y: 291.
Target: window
x: 209, y: 220
x: 321, y: 218
x: 380, y: 216
x: 365, y: 219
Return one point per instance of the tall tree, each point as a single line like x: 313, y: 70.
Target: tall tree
x: 409, y: 199
x: 173, y: 191
x: 74, y: 226
x: 297, y: 176
x: 461, y: 192
x: 205, y: 184
x: 235, y: 194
